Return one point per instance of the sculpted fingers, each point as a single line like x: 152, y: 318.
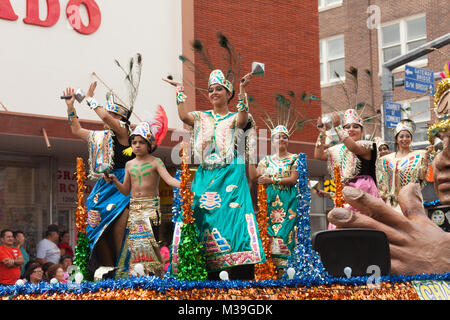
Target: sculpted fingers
x: 344, y: 218
x: 373, y: 207
x: 410, y: 200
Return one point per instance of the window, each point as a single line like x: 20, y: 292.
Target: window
x: 402, y: 36
x: 318, y: 209
x: 419, y: 112
x: 332, y: 59
x: 328, y: 4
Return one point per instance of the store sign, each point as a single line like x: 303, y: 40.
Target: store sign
x: 53, y: 13
x: 67, y: 186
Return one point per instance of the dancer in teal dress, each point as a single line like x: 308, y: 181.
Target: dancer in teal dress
x: 278, y: 172
x: 222, y: 203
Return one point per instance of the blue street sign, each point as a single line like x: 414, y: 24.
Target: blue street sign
x: 419, y: 80
x: 392, y: 114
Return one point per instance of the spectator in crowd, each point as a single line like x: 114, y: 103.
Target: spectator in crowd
x: 47, y: 249
x: 165, y: 257
x: 64, y: 245
x: 56, y: 271
x: 45, y: 268
x: 34, y: 273
x: 66, y: 261
x: 11, y: 260
x: 19, y: 237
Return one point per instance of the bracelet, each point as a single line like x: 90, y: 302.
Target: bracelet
x: 342, y: 134
x: 276, y: 180
x: 181, y: 96
x: 242, y: 105
x: 92, y: 103
x: 71, y: 115
x: 320, y: 140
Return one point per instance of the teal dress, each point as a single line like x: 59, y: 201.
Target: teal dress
x: 281, y: 208
x: 105, y: 203
x: 222, y: 204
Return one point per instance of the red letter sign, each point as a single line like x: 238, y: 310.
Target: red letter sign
x: 6, y: 11
x: 53, y: 10
x: 73, y: 15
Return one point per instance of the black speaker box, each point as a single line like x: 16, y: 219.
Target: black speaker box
x: 354, y: 248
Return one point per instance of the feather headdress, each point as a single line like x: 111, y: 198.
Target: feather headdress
x: 115, y: 103
x: 442, y: 90
x: 232, y: 58
x: 132, y: 78
x: 152, y: 130
x: 441, y: 106
x: 446, y: 73
x: 287, y: 120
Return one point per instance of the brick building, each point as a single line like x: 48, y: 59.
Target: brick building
x: 281, y: 36
x: 362, y: 35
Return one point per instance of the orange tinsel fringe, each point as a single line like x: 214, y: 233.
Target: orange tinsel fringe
x: 81, y: 214
x: 185, y: 191
x: 338, y: 198
x: 264, y: 271
x: 387, y: 291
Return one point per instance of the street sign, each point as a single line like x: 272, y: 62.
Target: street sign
x: 419, y: 80
x: 392, y: 114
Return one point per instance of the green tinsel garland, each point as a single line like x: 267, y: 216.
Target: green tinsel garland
x: 82, y: 252
x: 192, y: 266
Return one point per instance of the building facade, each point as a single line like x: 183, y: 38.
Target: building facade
x: 59, y: 44
x: 357, y: 38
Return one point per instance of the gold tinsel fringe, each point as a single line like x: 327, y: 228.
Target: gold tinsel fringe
x: 264, y: 271
x: 185, y: 191
x: 387, y: 291
x: 80, y: 213
x: 338, y: 198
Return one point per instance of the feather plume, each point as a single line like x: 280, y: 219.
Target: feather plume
x: 132, y: 77
x: 128, y: 152
x: 200, y: 48
x: 231, y: 72
x: 159, y: 124
x: 231, y: 57
x: 446, y: 73
x: 191, y: 66
x: 287, y: 113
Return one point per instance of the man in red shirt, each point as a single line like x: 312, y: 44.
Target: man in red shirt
x: 11, y: 259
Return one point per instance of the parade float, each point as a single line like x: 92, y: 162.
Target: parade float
x: 305, y: 279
